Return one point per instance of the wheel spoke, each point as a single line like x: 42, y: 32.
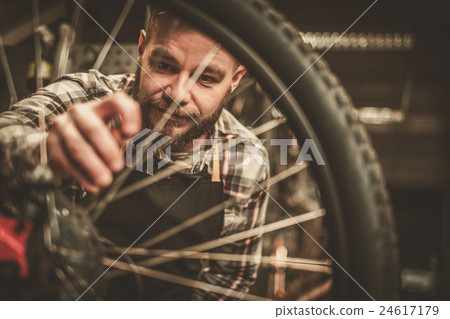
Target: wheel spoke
x: 176, y: 167
x: 66, y: 40
x: 76, y: 13
x: 123, y: 15
x: 43, y: 142
x: 130, y: 261
x: 8, y: 75
x: 317, y: 292
x: 313, y: 265
x: 37, y: 45
x: 69, y: 288
x: 259, y: 231
x: 78, y: 280
x: 101, y: 204
x: 182, y: 281
x: 319, y: 245
x: 270, y: 125
x: 215, y: 209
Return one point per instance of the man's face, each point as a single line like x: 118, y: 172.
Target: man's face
x: 168, y: 60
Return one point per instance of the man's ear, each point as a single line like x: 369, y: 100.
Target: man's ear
x: 142, y: 43
x: 237, y: 76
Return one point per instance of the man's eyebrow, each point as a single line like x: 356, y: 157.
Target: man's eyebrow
x: 217, y: 71
x: 159, y: 54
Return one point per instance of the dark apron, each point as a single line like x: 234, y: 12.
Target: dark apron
x: 126, y: 219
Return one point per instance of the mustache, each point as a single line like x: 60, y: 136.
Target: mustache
x: 163, y: 104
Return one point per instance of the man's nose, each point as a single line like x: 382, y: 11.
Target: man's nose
x: 177, y: 89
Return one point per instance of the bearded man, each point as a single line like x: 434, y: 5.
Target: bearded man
x: 82, y: 146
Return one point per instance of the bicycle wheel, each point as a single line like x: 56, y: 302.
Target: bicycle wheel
x: 316, y: 106
x: 360, y: 238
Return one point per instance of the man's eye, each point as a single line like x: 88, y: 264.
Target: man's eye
x: 207, y: 79
x: 165, y: 67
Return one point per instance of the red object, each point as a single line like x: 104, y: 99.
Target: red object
x: 13, y: 245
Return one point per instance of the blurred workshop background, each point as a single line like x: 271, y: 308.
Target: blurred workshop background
x: 393, y: 61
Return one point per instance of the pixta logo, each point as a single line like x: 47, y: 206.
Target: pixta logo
x: 144, y: 144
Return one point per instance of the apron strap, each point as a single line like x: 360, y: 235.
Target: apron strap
x: 216, y: 166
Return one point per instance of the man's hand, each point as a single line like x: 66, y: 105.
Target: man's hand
x: 82, y: 146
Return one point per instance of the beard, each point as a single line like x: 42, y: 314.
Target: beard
x: 179, y: 142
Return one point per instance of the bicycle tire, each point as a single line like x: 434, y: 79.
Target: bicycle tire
x: 352, y: 184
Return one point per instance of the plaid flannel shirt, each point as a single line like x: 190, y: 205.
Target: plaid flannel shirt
x: 245, y: 204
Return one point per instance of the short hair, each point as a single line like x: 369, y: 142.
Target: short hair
x: 155, y: 13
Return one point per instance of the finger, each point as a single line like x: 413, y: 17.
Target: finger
x: 78, y: 150
x: 62, y: 167
x: 124, y: 106
x: 99, y: 135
